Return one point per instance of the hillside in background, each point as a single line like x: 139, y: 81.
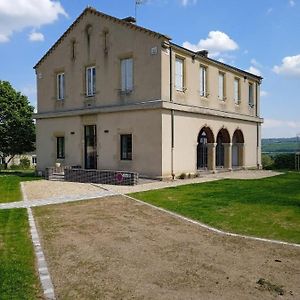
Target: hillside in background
x: 280, y: 145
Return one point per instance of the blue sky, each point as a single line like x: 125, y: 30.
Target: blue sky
x: 261, y: 36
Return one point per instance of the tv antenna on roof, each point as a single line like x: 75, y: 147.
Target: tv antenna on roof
x: 136, y: 4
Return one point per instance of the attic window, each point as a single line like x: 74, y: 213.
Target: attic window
x: 73, y: 50
x: 88, y: 31
x: 105, y: 40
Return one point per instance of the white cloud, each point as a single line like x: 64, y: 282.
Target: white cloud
x: 255, y: 63
x: 254, y: 71
x: 292, y: 3
x: 264, y: 93
x: 269, y: 10
x: 20, y: 14
x: 280, y: 128
x: 290, y: 66
x: 187, y: 2
x: 216, y: 43
x: 36, y: 37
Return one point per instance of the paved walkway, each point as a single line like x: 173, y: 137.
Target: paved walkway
x: 44, y: 192
x: 156, y: 184
x: 56, y: 200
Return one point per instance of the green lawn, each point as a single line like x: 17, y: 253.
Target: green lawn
x: 268, y: 207
x: 18, y: 278
x: 10, y: 185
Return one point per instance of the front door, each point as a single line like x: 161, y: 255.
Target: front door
x: 90, y: 147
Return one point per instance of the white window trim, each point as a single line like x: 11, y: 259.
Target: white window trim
x: 237, y: 98
x: 203, y: 81
x: 251, y: 99
x: 60, y: 86
x: 223, y: 96
x: 127, y: 75
x: 90, y: 82
x: 179, y: 87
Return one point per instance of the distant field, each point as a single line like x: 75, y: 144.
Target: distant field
x: 280, y: 145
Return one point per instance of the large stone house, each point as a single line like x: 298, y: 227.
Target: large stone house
x: 116, y: 96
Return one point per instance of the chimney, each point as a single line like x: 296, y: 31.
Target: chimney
x: 203, y: 53
x: 130, y: 20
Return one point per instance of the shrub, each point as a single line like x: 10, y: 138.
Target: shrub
x: 284, y: 161
x: 267, y: 161
x: 14, y: 167
x: 24, y: 163
x: 182, y: 176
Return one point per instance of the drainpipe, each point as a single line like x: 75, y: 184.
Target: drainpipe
x: 172, y: 115
x: 257, y: 124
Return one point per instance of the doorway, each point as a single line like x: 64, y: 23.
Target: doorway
x: 90, y: 147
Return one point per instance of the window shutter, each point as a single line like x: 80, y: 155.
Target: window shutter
x: 93, y: 81
x: 221, y: 86
x: 123, y: 75
x: 129, y: 76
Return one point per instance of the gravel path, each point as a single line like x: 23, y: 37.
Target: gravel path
x: 42, y: 189
x: 156, y: 184
x: 122, y: 249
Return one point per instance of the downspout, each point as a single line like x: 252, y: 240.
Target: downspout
x: 257, y: 125
x: 172, y: 115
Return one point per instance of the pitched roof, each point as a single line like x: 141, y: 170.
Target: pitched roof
x: 98, y: 13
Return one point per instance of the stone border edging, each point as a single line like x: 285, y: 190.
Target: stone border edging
x: 44, y: 274
x: 221, y: 232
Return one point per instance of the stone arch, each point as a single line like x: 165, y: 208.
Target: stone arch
x: 205, y: 138
x: 238, y: 148
x: 223, y: 143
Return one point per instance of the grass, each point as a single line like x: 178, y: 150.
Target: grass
x: 268, y: 207
x: 18, y: 279
x: 10, y: 184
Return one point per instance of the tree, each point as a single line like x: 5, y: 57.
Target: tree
x: 17, y: 130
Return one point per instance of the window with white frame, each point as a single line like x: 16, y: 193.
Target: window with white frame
x: 221, y: 93
x: 127, y: 75
x: 237, y: 93
x: 203, y: 82
x: 179, y: 74
x: 60, y: 86
x: 90, y: 77
x: 251, y: 98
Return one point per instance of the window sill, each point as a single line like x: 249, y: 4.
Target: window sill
x: 125, y: 92
x: 183, y: 90
x: 204, y: 97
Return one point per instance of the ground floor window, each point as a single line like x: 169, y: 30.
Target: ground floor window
x: 34, y: 160
x: 60, y: 147
x: 126, y: 146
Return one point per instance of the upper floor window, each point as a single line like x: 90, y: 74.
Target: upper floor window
x: 179, y: 74
x: 237, y: 92
x: 60, y: 86
x: 203, y: 81
x: 221, y: 93
x: 251, y: 98
x: 126, y: 146
x: 60, y: 147
x: 90, y: 78
x: 127, y: 75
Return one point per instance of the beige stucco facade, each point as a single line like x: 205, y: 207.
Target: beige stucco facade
x: 164, y: 122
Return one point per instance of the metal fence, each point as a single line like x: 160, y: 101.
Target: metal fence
x: 93, y: 176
